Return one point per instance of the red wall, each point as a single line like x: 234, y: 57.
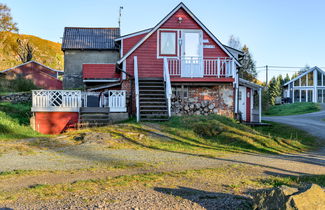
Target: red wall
x: 99, y: 71
x: 148, y: 64
x: 54, y: 122
x: 41, y: 76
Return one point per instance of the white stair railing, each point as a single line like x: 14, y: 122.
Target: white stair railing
x: 168, y: 86
x: 136, y: 81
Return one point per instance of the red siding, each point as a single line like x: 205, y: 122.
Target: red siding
x: 128, y: 43
x: 148, y: 64
x: 41, y: 76
x: 99, y: 71
x: 54, y: 122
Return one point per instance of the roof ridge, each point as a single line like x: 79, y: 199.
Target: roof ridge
x: 92, y: 27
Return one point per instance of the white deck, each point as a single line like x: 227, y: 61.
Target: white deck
x: 72, y: 100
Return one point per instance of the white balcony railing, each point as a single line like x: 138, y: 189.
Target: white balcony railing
x: 200, y: 67
x: 72, y: 100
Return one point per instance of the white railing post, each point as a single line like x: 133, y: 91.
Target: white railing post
x: 168, y: 86
x: 218, y: 67
x: 136, y: 80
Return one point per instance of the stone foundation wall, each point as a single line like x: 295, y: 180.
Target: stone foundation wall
x: 17, y: 98
x: 217, y: 99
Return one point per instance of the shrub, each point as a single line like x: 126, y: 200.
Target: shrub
x: 208, y: 128
x: 20, y: 84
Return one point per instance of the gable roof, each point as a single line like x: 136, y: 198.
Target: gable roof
x: 303, y: 74
x: 179, y: 6
x: 90, y: 38
x: 133, y: 34
x: 3, y: 71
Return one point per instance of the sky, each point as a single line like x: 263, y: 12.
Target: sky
x: 278, y: 32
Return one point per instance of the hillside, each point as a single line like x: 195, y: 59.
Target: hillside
x: 46, y: 52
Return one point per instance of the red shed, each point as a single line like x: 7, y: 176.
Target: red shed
x: 41, y: 75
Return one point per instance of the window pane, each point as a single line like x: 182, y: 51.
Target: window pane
x: 167, y: 43
x: 323, y: 80
x: 303, y: 80
x: 297, y: 82
x: 303, y: 95
x: 319, y: 95
x: 296, y: 99
x: 310, y: 96
x: 323, y: 95
x: 319, y: 78
x: 311, y: 79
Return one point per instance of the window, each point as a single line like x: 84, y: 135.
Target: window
x: 319, y: 78
x: 311, y: 78
x: 297, y: 96
x: 319, y: 96
x: 323, y: 80
x: 303, y: 80
x: 310, y: 95
x: 303, y: 95
x: 168, y: 44
x: 297, y: 83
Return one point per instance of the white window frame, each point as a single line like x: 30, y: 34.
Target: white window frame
x: 177, y: 43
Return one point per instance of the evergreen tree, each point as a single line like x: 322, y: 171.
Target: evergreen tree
x: 248, y: 70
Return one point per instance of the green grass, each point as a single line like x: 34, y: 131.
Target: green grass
x: 208, y: 136
x: 292, y: 109
x: 294, y: 180
x: 14, y: 122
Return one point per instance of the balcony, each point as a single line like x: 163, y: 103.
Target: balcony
x: 194, y: 67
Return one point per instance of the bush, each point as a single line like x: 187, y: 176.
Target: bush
x: 208, y: 128
x: 20, y: 84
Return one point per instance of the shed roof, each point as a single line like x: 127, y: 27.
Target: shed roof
x: 303, y: 74
x: 90, y: 38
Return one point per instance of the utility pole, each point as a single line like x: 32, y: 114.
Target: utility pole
x: 119, y: 17
x: 267, y: 74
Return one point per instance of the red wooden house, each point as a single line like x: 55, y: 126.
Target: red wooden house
x: 178, y: 63
x: 178, y: 67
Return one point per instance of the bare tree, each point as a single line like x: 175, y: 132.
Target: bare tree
x: 6, y: 22
x: 24, y: 50
x: 234, y: 42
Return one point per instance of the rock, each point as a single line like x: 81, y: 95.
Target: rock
x: 186, y: 107
x: 284, y: 197
x: 215, y: 110
x: 197, y: 105
x: 312, y: 198
x: 141, y: 136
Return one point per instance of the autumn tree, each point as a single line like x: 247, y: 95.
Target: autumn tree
x: 6, y: 22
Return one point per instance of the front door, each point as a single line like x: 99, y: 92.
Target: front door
x: 192, y: 54
x: 242, y: 101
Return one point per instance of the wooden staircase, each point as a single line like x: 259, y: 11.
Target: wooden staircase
x: 153, y: 103
x: 93, y: 116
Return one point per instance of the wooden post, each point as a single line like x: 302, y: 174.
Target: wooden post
x: 260, y: 105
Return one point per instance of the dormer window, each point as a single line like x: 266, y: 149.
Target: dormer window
x: 168, y: 43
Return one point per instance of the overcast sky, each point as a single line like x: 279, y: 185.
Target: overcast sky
x: 277, y: 32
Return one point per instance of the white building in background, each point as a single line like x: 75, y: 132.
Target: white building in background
x: 307, y: 87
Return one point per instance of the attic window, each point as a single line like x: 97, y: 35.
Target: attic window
x: 168, y: 43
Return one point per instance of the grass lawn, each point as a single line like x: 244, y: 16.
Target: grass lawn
x: 14, y: 121
x: 292, y: 109
x: 208, y: 136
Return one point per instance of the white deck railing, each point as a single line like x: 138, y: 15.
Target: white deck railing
x: 53, y: 100
x: 200, y: 67
x: 72, y: 100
